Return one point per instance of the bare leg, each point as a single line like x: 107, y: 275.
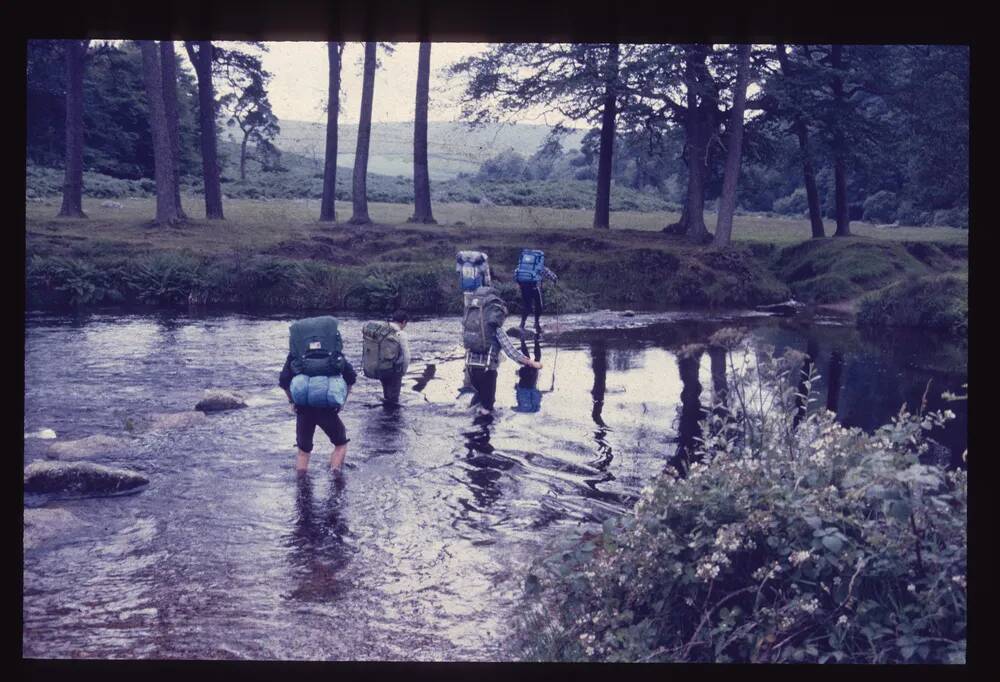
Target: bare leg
x: 302, y: 462
x: 337, y: 457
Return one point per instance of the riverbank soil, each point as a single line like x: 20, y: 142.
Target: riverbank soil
x: 275, y: 254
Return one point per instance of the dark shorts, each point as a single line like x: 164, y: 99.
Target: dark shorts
x: 308, y: 418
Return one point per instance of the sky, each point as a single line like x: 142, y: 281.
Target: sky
x: 300, y: 70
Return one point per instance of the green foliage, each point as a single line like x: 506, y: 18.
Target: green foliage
x: 163, y: 279
x: 881, y: 207
x: 791, y: 538
x: 796, y: 203
x: 927, y: 302
x: 57, y: 280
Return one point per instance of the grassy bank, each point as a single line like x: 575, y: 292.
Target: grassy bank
x: 935, y: 302
x: 275, y: 254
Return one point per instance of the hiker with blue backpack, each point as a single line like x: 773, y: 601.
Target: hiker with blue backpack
x: 317, y: 378
x: 529, y: 274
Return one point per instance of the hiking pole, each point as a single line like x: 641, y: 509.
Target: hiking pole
x: 555, y: 304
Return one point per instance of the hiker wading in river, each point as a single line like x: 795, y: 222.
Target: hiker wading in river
x: 484, y: 338
x: 529, y: 275
x: 317, y: 378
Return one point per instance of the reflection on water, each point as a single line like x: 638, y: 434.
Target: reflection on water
x: 418, y: 553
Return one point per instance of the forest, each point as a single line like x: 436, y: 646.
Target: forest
x: 874, y: 133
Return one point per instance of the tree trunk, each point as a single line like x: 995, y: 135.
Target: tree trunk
x: 697, y: 123
x: 166, y: 209
x: 727, y: 202
x: 602, y: 208
x: 327, y: 209
x: 360, y: 187
x: 243, y: 156
x: 809, y: 175
x: 694, y: 205
x: 72, y: 200
x: 202, y: 60
x: 168, y: 70
x: 839, y: 149
x: 421, y: 175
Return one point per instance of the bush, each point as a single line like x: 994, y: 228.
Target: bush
x: 928, y: 303
x: 880, y: 207
x: 796, y: 203
x: 789, y: 538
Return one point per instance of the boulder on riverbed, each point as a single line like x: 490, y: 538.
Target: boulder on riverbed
x: 91, y: 446
x: 167, y: 421
x: 44, y: 434
x: 786, y: 309
x: 628, y: 313
x: 80, y: 478
x: 216, y: 401
x: 41, y: 524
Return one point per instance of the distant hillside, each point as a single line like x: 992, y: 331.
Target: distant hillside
x: 453, y: 148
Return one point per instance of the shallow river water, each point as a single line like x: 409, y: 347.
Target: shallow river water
x: 420, y: 553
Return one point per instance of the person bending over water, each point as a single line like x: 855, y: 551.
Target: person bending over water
x: 483, y: 337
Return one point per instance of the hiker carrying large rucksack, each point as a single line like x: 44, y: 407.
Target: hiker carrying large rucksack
x: 316, y: 378
x: 529, y: 275
x: 386, y: 354
x: 483, y: 338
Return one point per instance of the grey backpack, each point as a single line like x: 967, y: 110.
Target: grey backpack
x: 381, y: 350
x: 481, y: 321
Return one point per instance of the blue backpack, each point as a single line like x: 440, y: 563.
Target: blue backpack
x: 530, y: 266
x: 318, y: 391
x: 529, y: 399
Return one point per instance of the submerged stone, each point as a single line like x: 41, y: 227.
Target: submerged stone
x: 80, y: 478
x: 44, y: 434
x: 164, y: 421
x: 628, y: 313
x: 91, y: 446
x: 40, y: 524
x: 217, y: 401
x: 787, y: 308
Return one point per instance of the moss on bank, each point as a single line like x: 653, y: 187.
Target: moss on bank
x: 937, y: 302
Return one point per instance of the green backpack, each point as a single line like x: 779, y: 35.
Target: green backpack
x: 316, y: 347
x: 381, y: 350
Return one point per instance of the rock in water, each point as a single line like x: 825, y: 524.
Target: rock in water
x: 91, y: 446
x: 80, y: 478
x: 42, y: 524
x: 628, y: 313
x: 788, y: 308
x: 519, y: 333
x: 164, y: 421
x: 216, y: 401
x: 44, y: 434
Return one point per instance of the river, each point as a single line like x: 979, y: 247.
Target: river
x: 419, y: 552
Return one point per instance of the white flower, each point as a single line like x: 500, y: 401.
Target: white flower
x: 809, y: 606
x: 707, y: 571
x: 958, y: 580
x: 911, y: 588
x: 842, y: 620
x: 796, y: 558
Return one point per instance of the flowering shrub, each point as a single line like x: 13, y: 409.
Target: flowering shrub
x: 791, y: 538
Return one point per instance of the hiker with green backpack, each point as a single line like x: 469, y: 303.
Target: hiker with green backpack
x: 483, y: 337
x: 317, y: 378
x: 386, y: 355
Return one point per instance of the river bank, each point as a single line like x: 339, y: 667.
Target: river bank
x: 274, y: 255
